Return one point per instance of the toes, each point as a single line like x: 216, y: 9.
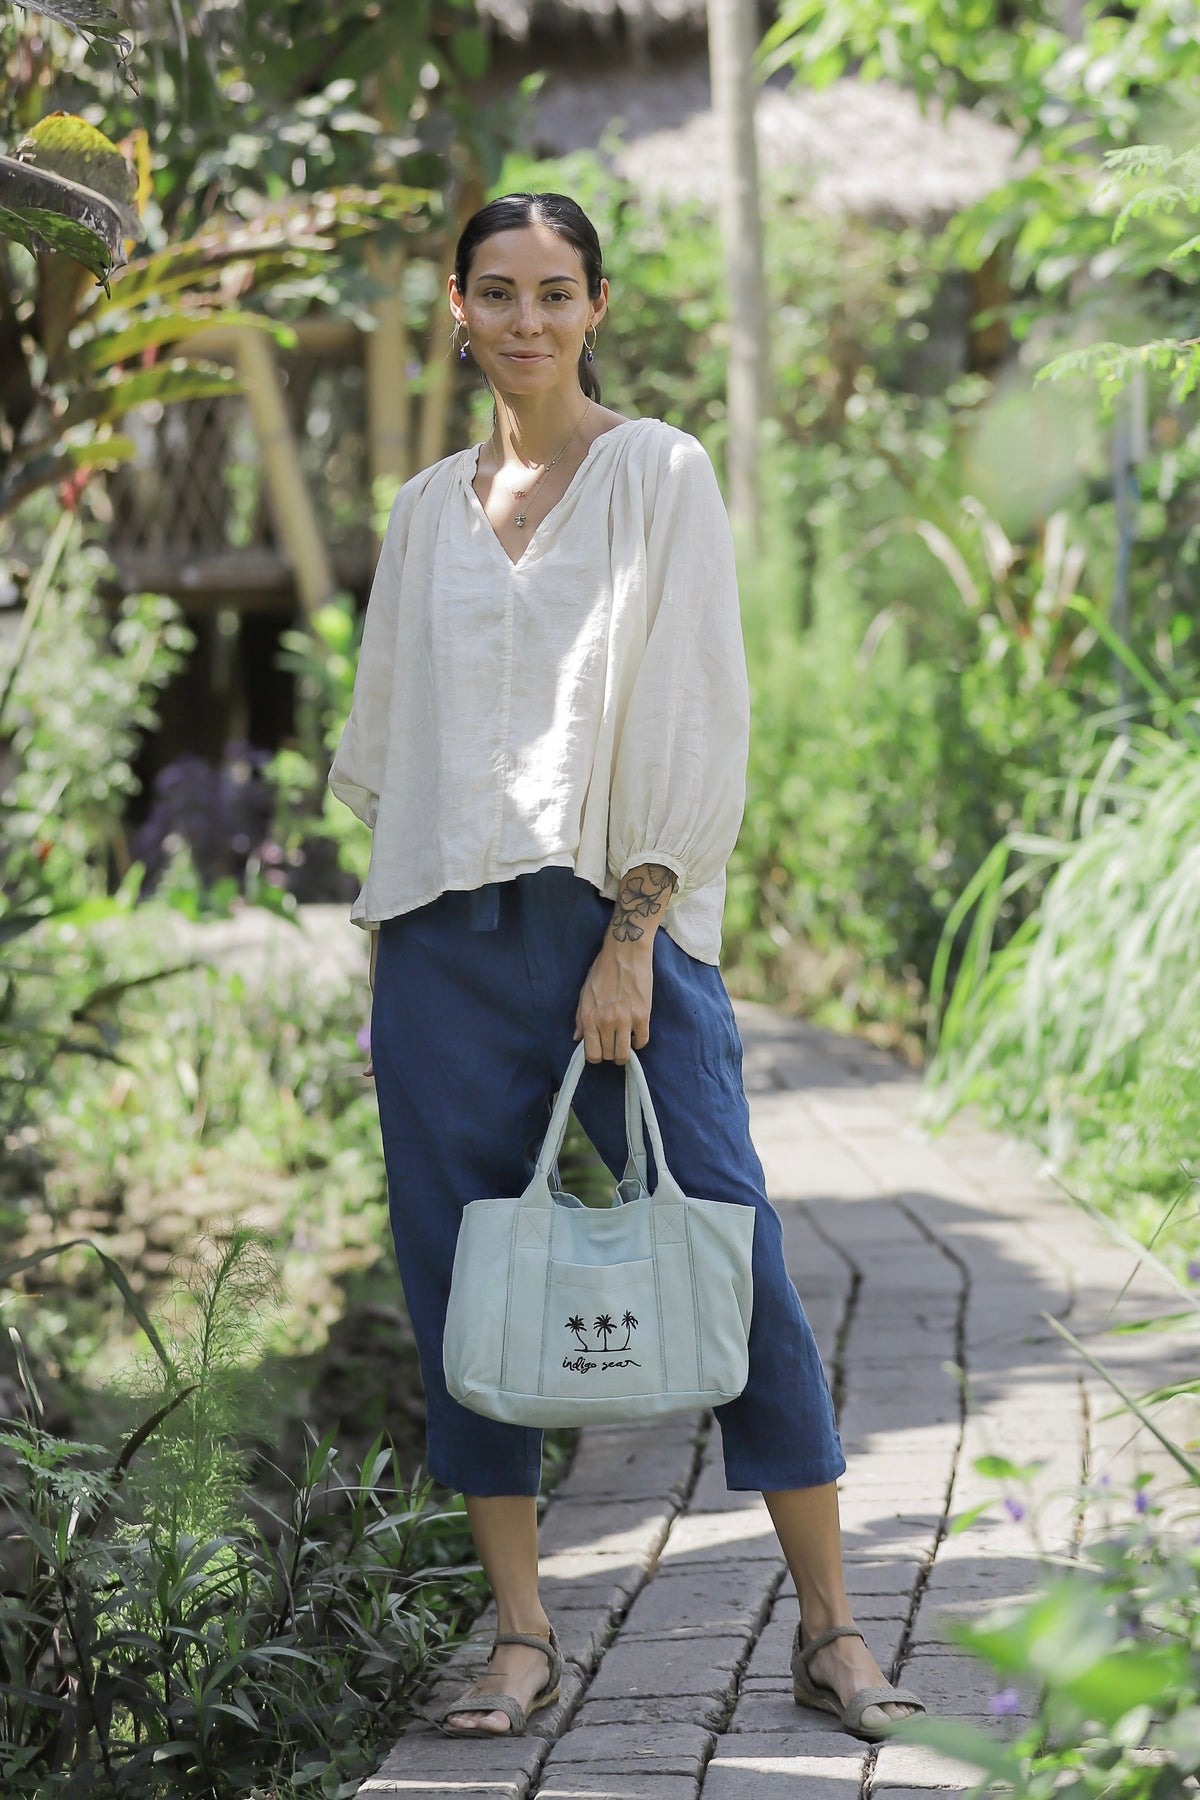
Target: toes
x: 495, y: 1722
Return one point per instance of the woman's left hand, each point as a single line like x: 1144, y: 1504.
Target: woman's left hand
x: 614, y: 1005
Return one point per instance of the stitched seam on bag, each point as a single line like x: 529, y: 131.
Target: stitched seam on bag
x: 702, y: 1382
x: 663, y: 1370
x: 541, y: 1373
x: 508, y: 1295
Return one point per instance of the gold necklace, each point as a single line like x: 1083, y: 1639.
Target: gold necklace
x: 521, y: 493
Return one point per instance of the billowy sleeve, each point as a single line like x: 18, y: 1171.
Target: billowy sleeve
x: 356, y: 774
x: 679, y: 778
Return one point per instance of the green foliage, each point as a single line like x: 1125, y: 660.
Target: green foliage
x: 1114, y: 365
x: 204, y: 1094
x: 88, y: 20
x: 323, y: 657
x: 1111, y: 1648
x: 887, y: 754
x: 157, y: 1644
x: 1070, y: 90
x: 69, y: 189
x: 1082, y: 1029
x: 78, y: 692
x: 1115, y: 1651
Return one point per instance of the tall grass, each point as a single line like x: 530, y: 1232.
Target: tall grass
x: 887, y: 755
x: 1084, y: 1030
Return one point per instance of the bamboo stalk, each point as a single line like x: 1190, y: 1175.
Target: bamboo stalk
x: 385, y: 359
x: 439, y: 365
x: 291, y: 503
x: 732, y: 34
x: 316, y: 337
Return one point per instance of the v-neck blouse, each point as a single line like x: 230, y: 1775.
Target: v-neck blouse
x: 584, y: 707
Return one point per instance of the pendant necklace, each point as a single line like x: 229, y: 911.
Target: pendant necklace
x: 528, y: 494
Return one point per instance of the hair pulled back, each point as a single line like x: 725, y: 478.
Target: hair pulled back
x: 563, y: 215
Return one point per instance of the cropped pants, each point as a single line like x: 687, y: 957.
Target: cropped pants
x: 472, y: 1027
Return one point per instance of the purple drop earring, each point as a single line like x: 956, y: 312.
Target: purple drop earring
x: 589, y: 347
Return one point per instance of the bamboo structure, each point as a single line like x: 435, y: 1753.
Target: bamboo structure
x: 439, y: 364
x: 385, y: 362
x: 731, y: 40
x: 291, y: 503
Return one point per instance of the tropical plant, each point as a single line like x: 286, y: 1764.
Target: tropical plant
x: 161, y: 1636
x: 1110, y: 1647
x: 76, y: 690
x: 1071, y: 87
x: 78, y: 357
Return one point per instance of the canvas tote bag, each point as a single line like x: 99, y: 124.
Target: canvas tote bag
x: 565, y: 1314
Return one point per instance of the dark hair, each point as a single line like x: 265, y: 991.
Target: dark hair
x: 563, y: 215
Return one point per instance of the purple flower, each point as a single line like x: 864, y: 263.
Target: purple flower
x: 1013, y: 1508
x: 1104, y: 1481
x: 1193, y: 1271
x: 363, y: 1040
x: 1006, y: 1702
x: 1141, y: 1501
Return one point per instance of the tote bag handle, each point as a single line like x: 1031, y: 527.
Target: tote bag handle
x: 638, y: 1105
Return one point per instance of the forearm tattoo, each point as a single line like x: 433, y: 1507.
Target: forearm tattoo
x: 644, y: 893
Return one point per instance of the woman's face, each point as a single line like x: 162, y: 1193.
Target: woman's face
x: 526, y: 309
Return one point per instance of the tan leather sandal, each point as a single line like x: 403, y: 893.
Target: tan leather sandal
x: 508, y: 1704
x: 809, y: 1692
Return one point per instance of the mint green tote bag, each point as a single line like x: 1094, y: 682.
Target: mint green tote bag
x: 565, y: 1314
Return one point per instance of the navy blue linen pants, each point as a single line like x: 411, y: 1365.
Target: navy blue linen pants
x: 472, y: 1027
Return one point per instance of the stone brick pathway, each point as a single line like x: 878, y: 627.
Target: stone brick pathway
x: 926, y: 1266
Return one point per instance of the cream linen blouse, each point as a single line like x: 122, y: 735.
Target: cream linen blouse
x: 585, y: 707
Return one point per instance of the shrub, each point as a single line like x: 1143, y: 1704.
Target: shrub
x: 157, y: 1639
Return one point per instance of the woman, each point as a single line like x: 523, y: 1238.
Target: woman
x: 548, y: 738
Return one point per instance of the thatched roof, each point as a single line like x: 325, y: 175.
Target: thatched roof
x: 517, y: 18
x: 859, y: 147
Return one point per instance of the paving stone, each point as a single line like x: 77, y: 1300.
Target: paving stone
x: 605, y: 1784
x: 709, y: 1710
x: 604, y: 1527
x: 922, y: 1793
x: 624, y: 1570
x: 381, y: 1785
x: 423, y: 1754
x: 760, y: 1710
x: 916, y: 1766
x: 668, y: 1666
x: 744, y: 1531
x: 711, y: 1495
x: 596, y: 1594
x: 764, y: 1767
x: 583, y: 1634
x: 635, y: 1462
x: 732, y: 1597
x: 634, y: 1749
x: 869, y: 1575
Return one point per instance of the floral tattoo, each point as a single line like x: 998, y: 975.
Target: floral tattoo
x: 644, y: 893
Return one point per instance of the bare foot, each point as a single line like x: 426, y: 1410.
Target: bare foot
x: 514, y: 1669
x: 846, y: 1665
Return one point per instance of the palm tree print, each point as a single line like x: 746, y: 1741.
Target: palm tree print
x: 576, y: 1325
x: 630, y: 1324
x: 605, y: 1327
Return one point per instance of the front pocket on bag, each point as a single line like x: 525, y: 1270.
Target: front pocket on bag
x: 602, y: 1331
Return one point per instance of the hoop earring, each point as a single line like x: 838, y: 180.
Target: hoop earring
x: 464, y: 346
x: 590, y: 347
